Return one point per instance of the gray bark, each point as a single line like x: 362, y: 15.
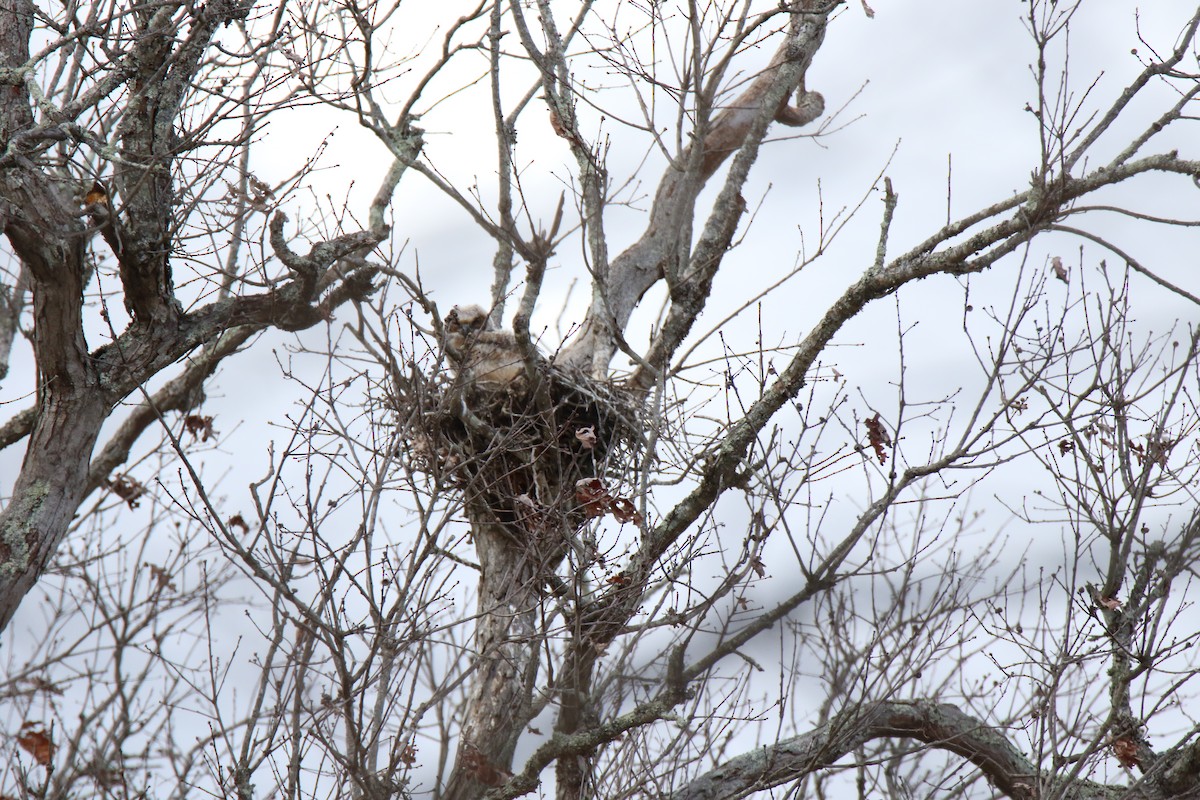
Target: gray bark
x: 506, y: 640
x: 78, y: 388
x: 939, y: 725
x: 661, y: 253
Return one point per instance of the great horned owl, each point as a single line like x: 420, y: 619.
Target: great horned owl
x: 482, y: 353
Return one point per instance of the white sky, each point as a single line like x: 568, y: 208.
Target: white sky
x: 928, y: 80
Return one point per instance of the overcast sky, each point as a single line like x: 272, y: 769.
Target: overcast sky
x: 938, y: 87
x: 921, y: 90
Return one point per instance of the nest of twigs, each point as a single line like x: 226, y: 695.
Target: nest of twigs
x: 536, y: 459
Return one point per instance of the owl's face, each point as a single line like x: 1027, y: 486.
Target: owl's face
x: 465, y: 320
x: 463, y: 324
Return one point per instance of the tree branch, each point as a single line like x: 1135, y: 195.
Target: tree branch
x: 741, y: 124
x: 1036, y: 210
x: 939, y: 725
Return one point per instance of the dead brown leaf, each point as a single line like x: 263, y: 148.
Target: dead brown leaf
x: 593, y: 496
x: 199, y: 427
x: 1126, y: 751
x: 161, y: 576
x: 625, y: 511
x: 126, y: 488
x: 1060, y: 271
x: 878, y: 437
x: 34, y: 740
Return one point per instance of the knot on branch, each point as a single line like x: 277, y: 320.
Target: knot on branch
x: 809, y: 106
x: 226, y: 11
x: 405, y: 140
x: 307, y: 269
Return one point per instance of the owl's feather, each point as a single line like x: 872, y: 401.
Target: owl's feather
x: 483, y: 354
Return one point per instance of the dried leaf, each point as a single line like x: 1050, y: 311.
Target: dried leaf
x: 1111, y: 603
x: 259, y: 185
x: 96, y: 196
x: 236, y: 521
x: 1060, y: 271
x: 593, y: 496
x: 162, y: 576
x: 1157, y: 449
x: 34, y: 740
x: 408, y: 754
x: 199, y: 427
x: 625, y: 511
x: 263, y: 195
x: 586, y: 436
x: 482, y: 770
x: 1065, y: 446
x: 1126, y: 751
x: 878, y: 436
x: 126, y: 488
x: 759, y: 568
x: 620, y: 579
x: 870, y: 12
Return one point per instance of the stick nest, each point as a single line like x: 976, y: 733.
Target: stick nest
x: 534, y: 459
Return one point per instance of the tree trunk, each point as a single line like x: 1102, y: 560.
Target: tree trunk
x: 39, y: 218
x: 505, y: 664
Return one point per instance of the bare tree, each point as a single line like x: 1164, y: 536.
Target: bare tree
x: 485, y: 549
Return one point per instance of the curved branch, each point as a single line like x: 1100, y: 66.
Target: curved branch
x: 1133, y: 263
x: 939, y: 725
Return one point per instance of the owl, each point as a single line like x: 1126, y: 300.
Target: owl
x: 487, y: 356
